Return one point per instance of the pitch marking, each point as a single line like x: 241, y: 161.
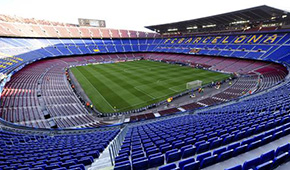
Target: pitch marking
x: 97, y: 90
x: 136, y: 87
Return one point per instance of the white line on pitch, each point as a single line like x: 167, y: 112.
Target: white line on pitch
x: 144, y: 92
x: 97, y: 90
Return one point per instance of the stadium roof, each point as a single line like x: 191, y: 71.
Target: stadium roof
x: 259, y: 13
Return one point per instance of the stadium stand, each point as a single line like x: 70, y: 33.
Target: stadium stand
x: 37, y: 151
x: 175, y: 139
x: 30, y: 27
x: 245, y: 126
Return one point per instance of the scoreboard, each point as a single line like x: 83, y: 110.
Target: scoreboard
x: 92, y: 22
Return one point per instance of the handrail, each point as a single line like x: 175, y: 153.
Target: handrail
x: 116, y: 144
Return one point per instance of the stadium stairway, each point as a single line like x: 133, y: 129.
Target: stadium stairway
x: 105, y: 161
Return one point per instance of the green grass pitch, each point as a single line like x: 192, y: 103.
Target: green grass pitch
x: 130, y: 85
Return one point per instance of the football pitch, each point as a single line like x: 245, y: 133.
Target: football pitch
x: 130, y: 85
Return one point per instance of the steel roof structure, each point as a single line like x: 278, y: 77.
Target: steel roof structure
x: 257, y: 14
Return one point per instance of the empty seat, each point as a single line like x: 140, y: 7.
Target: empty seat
x: 225, y: 155
x: 280, y: 159
x: 218, y: 151
x: 67, y: 164
x: 267, y: 156
x: 51, y: 167
x: 192, y: 166
x: 126, y: 165
x: 251, y: 164
x: 155, y: 161
x: 188, y: 152
x: 238, y: 167
x: 203, y: 147
x: 168, y: 166
x: 86, y: 160
x: 200, y: 157
x: 215, y: 144
x: 265, y: 166
x: 173, y: 156
x: 254, y: 145
x: 152, y: 151
x: 266, y: 139
x: 282, y: 149
x: 178, y: 145
x: 233, y: 146
x: 241, y: 149
x: 208, y: 161
x: 140, y: 164
x: 121, y: 159
x: 165, y: 148
x: 184, y: 162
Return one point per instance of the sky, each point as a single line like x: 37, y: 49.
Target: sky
x: 129, y: 14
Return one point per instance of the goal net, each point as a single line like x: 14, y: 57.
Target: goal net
x: 193, y: 84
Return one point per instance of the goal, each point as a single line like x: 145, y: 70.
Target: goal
x: 193, y: 84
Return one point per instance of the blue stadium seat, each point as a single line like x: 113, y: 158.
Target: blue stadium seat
x: 215, y: 144
x: 172, y: 156
x: 165, y: 148
x: 280, y: 159
x: 251, y: 164
x: 254, y: 145
x: 267, y: 156
x: 265, y: 166
x: 233, y: 146
x: 67, y: 164
x: 208, y: 161
x: 126, y: 165
x: 86, y: 160
x: 238, y: 167
x: 241, y: 149
x: 121, y: 159
x: 155, y: 161
x: 140, y: 164
x: 225, y: 155
x: 277, y: 135
x: 192, y: 166
x: 135, y: 155
x: 266, y: 139
x: 219, y: 150
x: 61, y: 168
x: 203, y: 147
x: 188, y: 152
x: 185, y: 161
x: 178, y: 145
x: 168, y: 167
x: 282, y: 149
x: 52, y: 166
x: 200, y: 157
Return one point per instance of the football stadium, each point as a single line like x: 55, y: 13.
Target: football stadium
x: 208, y: 93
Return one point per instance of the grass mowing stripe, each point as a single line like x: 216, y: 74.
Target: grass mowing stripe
x: 94, y: 88
x: 126, y: 86
x: 105, y: 92
x: 136, y: 87
x: 108, y: 90
x: 145, y: 79
x: 131, y: 85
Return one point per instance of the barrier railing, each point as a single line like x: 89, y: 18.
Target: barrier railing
x: 116, y: 144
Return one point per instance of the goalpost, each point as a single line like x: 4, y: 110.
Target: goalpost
x: 193, y: 84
